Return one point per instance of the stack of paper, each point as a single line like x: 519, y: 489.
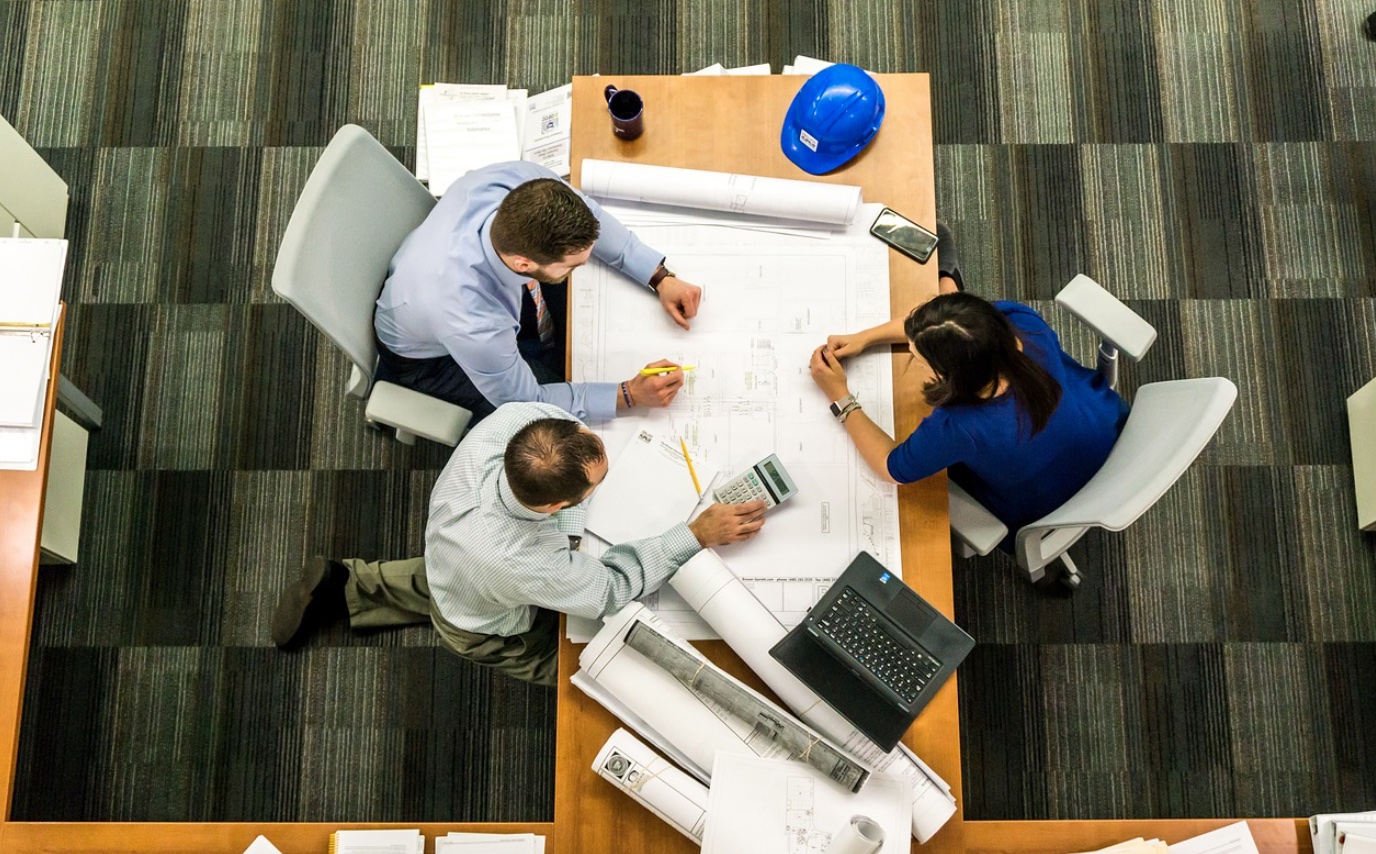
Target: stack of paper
x: 30, y: 287
x: 1343, y: 833
x: 716, y: 70
x: 377, y: 842
x: 461, y: 127
x: 490, y: 843
x: 1234, y: 838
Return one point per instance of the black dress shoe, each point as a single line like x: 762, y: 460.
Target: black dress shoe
x: 948, y: 262
x: 313, y: 600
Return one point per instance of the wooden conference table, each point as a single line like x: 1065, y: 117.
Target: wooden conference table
x: 720, y: 123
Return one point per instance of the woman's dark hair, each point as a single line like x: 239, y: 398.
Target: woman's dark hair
x: 547, y: 461
x: 970, y: 344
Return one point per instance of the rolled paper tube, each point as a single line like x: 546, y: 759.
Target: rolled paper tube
x: 860, y: 835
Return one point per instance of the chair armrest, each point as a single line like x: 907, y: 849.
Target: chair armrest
x: 425, y: 416
x: 971, y: 523
x: 1107, y: 315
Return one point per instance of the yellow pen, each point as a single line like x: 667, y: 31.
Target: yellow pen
x: 654, y: 372
x: 689, y: 460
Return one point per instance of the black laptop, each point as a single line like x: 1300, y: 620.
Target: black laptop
x: 874, y: 650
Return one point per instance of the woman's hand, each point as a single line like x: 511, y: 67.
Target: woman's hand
x: 828, y: 373
x: 853, y: 344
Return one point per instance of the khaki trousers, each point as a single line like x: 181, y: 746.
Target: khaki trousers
x: 396, y: 593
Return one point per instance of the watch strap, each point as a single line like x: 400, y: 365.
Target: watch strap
x: 660, y: 275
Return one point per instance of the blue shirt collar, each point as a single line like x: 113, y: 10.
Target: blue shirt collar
x: 504, y: 274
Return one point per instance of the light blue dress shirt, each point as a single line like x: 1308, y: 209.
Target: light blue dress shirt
x: 490, y: 560
x: 447, y: 292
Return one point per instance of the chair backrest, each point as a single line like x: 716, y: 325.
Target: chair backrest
x: 358, y: 205
x: 1170, y: 424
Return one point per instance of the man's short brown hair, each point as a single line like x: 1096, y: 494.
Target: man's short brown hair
x: 543, y: 220
x: 547, y: 461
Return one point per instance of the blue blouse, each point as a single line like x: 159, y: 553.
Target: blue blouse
x: 986, y: 446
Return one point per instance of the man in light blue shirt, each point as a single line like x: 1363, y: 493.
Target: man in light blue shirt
x: 502, y: 554
x: 473, y: 308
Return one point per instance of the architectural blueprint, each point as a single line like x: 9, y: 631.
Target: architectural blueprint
x: 768, y: 301
x: 767, y: 806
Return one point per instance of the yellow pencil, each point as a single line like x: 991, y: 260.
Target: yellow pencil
x: 654, y: 372
x: 689, y: 460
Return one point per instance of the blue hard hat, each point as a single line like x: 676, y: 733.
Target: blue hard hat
x: 832, y: 118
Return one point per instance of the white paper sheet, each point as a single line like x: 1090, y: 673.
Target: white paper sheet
x: 30, y: 287
x: 708, y: 586
x: 546, y: 139
x: 436, y: 96
x: 489, y: 843
x: 465, y: 135
x: 1235, y: 838
x: 747, y: 195
x: 648, y: 778
x: 378, y: 842
x: 770, y: 807
x: 768, y: 302
x: 261, y: 845
x: 647, y: 491
x: 758, y: 70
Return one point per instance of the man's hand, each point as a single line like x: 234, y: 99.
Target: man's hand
x: 679, y: 299
x: 828, y: 373
x: 657, y: 390
x: 722, y: 524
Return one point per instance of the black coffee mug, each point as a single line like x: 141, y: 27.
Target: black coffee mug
x: 628, y: 112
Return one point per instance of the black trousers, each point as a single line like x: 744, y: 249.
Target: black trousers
x: 444, y: 378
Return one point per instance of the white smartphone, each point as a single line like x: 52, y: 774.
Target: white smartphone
x: 904, y: 235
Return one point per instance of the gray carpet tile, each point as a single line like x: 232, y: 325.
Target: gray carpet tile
x: 1213, y: 163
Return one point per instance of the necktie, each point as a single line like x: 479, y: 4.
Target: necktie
x: 543, y: 322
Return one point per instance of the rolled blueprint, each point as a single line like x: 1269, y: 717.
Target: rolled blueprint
x: 648, y: 778
x: 747, y: 626
x: 752, y: 195
x: 646, y: 697
x: 707, y: 681
x: 860, y: 835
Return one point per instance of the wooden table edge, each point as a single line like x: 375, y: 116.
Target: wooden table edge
x: 21, y: 527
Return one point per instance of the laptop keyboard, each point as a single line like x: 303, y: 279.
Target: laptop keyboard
x: 855, y: 626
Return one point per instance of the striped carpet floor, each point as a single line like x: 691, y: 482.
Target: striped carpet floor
x: 1211, y: 161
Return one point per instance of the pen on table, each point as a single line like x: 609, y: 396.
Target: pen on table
x: 689, y: 460
x: 654, y: 372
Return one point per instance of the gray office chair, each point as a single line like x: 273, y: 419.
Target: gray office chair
x: 357, y: 206
x: 1168, y: 427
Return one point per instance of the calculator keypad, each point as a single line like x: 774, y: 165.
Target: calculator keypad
x: 744, y: 488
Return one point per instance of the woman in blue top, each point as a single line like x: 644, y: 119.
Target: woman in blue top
x: 1019, y: 423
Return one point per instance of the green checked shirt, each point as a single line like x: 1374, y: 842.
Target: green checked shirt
x: 491, y: 561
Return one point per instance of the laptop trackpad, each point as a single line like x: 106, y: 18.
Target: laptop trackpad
x: 857, y: 702
x: 910, y: 612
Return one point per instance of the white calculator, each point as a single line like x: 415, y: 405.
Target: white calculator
x: 764, y: 481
